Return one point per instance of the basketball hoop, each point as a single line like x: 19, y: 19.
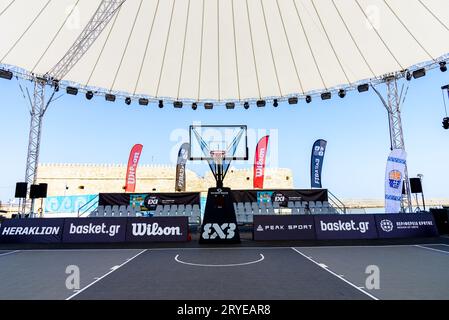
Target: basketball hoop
x: 218, y: 156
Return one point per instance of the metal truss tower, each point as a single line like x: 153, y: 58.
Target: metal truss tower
x: 393, y: 107
x: 103, y: 15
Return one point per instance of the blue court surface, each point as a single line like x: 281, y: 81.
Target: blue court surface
x: 415, y: 272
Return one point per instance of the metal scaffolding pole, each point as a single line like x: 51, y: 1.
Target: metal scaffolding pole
x: 37, y: 112
x: 103, y: 15
x: 393, y: 107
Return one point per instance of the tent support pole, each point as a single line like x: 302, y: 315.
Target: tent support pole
x: 393, y: 106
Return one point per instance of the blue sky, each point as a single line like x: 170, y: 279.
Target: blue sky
x: 79, y: 131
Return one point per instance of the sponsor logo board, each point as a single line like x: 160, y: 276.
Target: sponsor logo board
x: 94, y: 230
x: 345, y: 227
x: 291, y: 227
x: 167, y: 229
x: 31, y: 231
x: 406, y: 225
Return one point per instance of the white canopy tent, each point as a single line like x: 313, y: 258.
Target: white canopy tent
x: 226, y: 50
x: 219, y: 51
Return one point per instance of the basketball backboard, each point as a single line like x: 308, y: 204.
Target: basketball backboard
x: 232, y: 140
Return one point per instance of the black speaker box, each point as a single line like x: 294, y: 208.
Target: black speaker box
x: 21, y: 190
x: 415, y: 185
x: 43, y: 187
x: 34, y: 191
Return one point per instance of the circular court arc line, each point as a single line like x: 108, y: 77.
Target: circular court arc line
x: 262, y: 257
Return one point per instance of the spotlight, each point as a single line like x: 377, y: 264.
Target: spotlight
x: 446, y: 123
x: 89, y: 95
x: 363, y: 88
x: 326, y: 96
x: 342, y: 93
x: 5, y: 74
x: 110, y: 97
x: 194, y: 106
x: 275, y: 103
x: 161, y: 104
x: 230, y: 105
x: 446, y: 87
x: 408, y: 76
x: 208, y: 106
x: 177, y: 104
x: 128, y: 101
x: 246, y: 105
x: 443, y: 66
x: 71, y: 90
x: 308, y: 99
x: 56, y: 85
x: 419, y: 73
x: 143, y: 102
x: 293, y: 100
x: 261, y: 103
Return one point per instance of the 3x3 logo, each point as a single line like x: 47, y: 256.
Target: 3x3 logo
x: 224, y: 231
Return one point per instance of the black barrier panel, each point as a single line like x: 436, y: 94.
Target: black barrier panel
x: 164, y: 229
x: 148, y: 201
x: 406, y: 225
x: 284, y: 227
x: 94, y: 230
x: 334, y: 227
x: 280, y: 196
x: 31, y: 231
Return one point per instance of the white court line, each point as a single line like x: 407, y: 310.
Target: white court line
x: 219, y: 265
x: 432, y: 249
x: 336, y: 275
x: 8, y: 253
x: 115, y: 268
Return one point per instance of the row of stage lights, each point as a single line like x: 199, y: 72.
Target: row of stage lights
x: 210, y: 105
x: 6, y: 74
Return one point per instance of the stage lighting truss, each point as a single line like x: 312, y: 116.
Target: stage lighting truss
x: 415, y: 72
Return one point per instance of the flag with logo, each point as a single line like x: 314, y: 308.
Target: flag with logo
x: 131, y: 178
x: 259, y: 163
x: 183, y: 156
x: 316, y: 167
x: 394, y: 180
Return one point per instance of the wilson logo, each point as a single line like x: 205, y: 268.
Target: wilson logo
x: 153, y: 229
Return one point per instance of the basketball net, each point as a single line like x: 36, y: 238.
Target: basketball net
x: 218, y: 156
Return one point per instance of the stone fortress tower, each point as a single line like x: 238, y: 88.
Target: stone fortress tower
x: 82, y: 179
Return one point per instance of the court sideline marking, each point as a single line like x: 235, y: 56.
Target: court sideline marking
x: 8, y: 253
x: 431, y: 249
x: 322, y: 266
x: 115, y: 268
x: 262, y: 257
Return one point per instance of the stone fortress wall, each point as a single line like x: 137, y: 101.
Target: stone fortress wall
x: 81, y: 179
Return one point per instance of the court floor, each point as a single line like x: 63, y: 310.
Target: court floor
x: 243, y: 273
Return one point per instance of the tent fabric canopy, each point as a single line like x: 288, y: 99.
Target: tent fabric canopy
x: 223, y: 50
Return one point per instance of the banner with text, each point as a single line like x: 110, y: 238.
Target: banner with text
x: 31, y: 230
x: 286, y: 227
x: 406, y: 225
x: 394, y: 180
x: 345, y: 227
x: 166, y: 229
x: 259, y: 163
x: 183, y: 156
x: 316, y: 166
x: 131, y: 176
x: 94, y: 230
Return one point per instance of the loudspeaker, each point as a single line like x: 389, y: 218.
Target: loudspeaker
x: 415, y: 185
x: 21, y: 190
x: 34, y: 191
x: 43, y: 187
